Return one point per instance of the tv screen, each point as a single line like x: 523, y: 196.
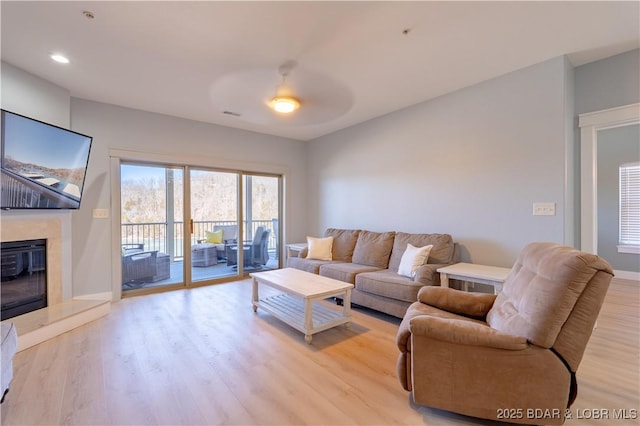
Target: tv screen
x: 43, y: 166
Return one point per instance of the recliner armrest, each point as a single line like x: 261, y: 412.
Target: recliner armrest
x: 463, y: 332
x: 456, y: 301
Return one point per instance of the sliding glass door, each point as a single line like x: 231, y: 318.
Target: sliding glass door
x: 214, y: 224
x: 151, y: 225
x: 183, y: 226
x: 262, y: 218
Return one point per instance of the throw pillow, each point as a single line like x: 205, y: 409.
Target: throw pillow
x: 412, y: 259
x: 319, y: 248
x: 214, y: 237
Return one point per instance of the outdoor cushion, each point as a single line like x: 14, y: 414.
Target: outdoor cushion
x: 214, y: 237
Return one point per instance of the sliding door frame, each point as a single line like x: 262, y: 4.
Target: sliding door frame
x: 187, y: 162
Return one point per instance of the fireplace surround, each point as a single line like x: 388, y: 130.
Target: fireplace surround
x: 17, y: 229
x: 23, y: 272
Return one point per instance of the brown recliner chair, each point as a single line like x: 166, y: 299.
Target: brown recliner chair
x: 510, y: 357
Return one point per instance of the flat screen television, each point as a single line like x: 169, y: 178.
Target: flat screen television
x: 43, y: 166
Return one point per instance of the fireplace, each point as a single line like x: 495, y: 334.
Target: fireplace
x: 23, y: 273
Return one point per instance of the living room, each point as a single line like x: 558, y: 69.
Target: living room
x: 469, y: 162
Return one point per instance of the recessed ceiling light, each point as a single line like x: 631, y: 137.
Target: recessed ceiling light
x: 59, y: 58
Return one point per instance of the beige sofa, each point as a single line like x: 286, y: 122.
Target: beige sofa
x: 370, y: 261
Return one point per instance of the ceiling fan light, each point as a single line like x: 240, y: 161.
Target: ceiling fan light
x: 284, y: 104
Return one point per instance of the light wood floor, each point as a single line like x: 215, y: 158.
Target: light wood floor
x: 202, y: 356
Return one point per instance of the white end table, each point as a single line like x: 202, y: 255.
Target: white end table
x: 295, y: 248
x: 470, y: 272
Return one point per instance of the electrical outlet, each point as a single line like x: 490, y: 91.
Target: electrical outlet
x: 544, y: 209
x: 100, y: 213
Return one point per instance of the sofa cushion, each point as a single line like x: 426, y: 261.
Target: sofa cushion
x: 319, y: 248
x: 373, y: 249
x: 344, y: 241
x: 412, y: 259
x: 309, y: 265
x: 388, y: 283
x: 346, y: 272
x: 441, y: 253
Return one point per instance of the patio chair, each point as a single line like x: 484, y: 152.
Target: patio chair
x: 138, y: 265
x: 229, y: 236
x: 255, y: 252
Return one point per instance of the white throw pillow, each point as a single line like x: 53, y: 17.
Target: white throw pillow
x: 412, y: 259
x: 319, y: 248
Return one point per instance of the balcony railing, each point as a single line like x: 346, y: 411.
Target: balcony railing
x: 155, y: 235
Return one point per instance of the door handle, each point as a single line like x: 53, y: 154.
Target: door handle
x: 191, y: 225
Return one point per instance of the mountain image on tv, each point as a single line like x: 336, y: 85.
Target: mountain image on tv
x: 43, y: 166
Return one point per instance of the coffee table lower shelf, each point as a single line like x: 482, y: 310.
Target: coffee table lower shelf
x: 291, y: 310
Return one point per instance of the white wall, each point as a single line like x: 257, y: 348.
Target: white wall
x: 470, y: 164
x: 26, y: 94
x: 117, y: 128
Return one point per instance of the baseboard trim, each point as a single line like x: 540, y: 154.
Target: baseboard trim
x: 46, y: 323
x: 627, y: 275
x: 107, y: 295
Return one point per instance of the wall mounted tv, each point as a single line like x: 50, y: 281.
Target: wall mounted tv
x: 43, y: 166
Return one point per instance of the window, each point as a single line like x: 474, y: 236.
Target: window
x: 629, y: 208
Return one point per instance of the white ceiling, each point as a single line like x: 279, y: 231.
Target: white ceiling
x: 198, y: 59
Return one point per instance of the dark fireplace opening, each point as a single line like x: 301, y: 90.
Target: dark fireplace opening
x: 23, y: 283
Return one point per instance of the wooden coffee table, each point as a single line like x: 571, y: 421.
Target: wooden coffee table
x: 298, y: 305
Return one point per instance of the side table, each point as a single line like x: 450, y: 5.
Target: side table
x: 469, y: 272
x: 295, y: 248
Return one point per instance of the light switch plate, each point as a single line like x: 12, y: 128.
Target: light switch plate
x: 544, y: 209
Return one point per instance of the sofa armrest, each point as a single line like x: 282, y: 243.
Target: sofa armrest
x: 463, y: 332
x: 457, y: 301
x: 428, y: 274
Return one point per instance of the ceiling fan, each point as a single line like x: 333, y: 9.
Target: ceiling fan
x: 248, y: 94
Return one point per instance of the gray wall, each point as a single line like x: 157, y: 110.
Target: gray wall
x: 26, y: 94
x: 615, y: 147
x: 114, y: 127
x: 470, y: 163
x: 87, y: 241
x: 608, y: 83
x: 599, y: 85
